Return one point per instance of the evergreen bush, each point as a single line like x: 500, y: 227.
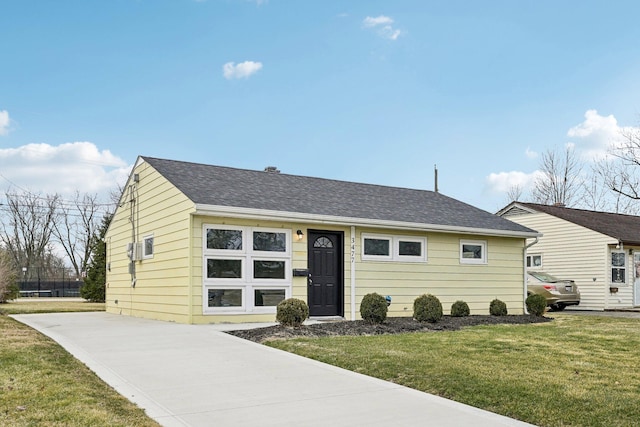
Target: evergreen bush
x: 292, y: 312
x: 536, y: 304
x: 373, y: 308
x: 497, y: 308
x: 460, y: 309
x: 427, y: 308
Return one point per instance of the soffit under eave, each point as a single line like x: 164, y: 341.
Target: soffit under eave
x: 296, y: 217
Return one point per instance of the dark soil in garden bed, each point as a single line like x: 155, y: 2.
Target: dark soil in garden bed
x: 393, y: 325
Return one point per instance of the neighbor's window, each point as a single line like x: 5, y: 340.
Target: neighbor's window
x: 618, y: 267
x: 473, y: 252
x: 393, y: 248
x: 246, y: 269
x: 534, y: 261
x: 147, y: 247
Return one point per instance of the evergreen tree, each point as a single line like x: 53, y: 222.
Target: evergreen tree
x: 94, y: 284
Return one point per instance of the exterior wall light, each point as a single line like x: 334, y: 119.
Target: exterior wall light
x: 300, y: 234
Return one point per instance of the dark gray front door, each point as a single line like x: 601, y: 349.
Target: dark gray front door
x: 325, y: 287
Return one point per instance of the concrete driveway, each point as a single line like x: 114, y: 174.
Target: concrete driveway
x: 197, y: 375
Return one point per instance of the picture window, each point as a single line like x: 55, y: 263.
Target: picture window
x: 245, y: 269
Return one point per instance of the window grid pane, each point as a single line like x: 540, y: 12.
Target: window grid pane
x: 224, y: 268
x: 268, y: 269
x: 268, y: 297
x: 472, y: 251
x: 269, y: 242
x: 409, y: 248
x: 224, y: 298
x: 224, y: 239
x: 378, y: 247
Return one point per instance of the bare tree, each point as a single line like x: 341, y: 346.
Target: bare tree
x: 620, y: 173
x: 599, y: 189
x: 559, y: 182
x: 27, y: 228
x: 74, y: 231
x: 515, y: 193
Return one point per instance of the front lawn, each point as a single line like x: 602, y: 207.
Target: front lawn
x: 43, y: 385
x: 48, y: 305
x: 574, y: 371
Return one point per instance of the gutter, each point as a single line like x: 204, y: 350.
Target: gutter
x: 524, y: 261
x: 264, y: 214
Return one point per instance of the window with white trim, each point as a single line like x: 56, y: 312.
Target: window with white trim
x: 245, y: 269
x: 534, y: 261
x: 147, y: 247
x: 473, y: 252
x: 618, y: 267
x: 378, y: 247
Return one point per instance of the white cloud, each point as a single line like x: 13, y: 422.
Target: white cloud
x: 380, y: 20
x: 62, y: 169
x: 242, y: 70
x: 596, y: 134
x: 502, y: 182
x: 383, y: 26
x: 4, y: 122
x: 530, y: 153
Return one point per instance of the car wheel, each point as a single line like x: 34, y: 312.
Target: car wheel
x: 558, y: 307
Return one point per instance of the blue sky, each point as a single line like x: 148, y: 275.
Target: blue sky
x: 367, y: 91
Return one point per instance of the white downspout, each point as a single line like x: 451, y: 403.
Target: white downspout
x: 524, y: 261
x: 353, y: 272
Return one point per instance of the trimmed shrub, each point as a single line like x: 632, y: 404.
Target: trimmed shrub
x: 427, y: 308
x: 292, y: 312
x: 536, y: 304
x: 497, y: 308
x: 460, y: 309
x: 373, y: 308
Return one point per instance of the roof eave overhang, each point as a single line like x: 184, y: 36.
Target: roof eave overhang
x: 271, y: 215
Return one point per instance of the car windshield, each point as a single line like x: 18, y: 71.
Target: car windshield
x: 544, y: 277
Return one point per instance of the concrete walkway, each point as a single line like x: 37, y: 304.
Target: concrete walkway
x: 197, y: 375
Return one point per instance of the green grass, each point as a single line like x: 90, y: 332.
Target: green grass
x: 43, y: 385
x: 48, y: 305
x: 574, y: 371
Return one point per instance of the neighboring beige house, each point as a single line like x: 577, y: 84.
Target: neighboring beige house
x: 599, y: 250
x: 195, y: 243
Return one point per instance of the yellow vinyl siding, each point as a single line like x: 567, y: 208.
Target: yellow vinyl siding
x: 444, y: 276
x: 162, y: 282
x: 570, y: 251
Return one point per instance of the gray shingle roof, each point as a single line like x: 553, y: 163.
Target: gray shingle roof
x: 625, y: 228
x: 230, y: 187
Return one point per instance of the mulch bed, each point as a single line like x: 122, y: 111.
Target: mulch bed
x: 393, y: 325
